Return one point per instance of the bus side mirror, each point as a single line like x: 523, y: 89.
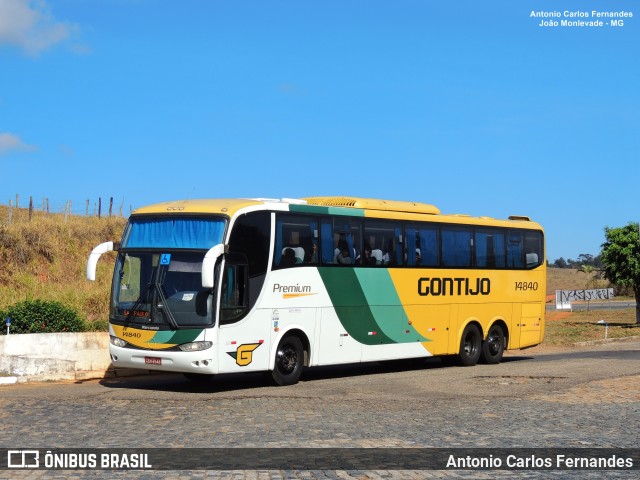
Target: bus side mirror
x: 209, y: 262
x: 94, y: 256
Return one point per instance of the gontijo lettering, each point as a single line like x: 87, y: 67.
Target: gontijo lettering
x: 453, y: 286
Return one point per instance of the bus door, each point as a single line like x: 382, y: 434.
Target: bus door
x: 243, y: 337
x: 531, y: 324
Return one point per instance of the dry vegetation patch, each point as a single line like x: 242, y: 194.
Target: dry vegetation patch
x: 568, y: 328
x: 45, y: 258
x: 570, y: 279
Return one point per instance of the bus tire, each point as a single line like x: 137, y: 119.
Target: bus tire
x: 289, y: 361
x: 470, y: 346
x: 493, y: 346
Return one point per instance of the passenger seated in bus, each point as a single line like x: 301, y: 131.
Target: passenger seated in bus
x: 377, y: 256
x: 312, y: 254
x: 390, y: 257
x: 418, y: 256
x: 343, y: 257
x: 366, y: 259
x: 288, y: 258
x: 300, y: 254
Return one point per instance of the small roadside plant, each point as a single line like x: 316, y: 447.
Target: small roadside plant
x: 42, y: 316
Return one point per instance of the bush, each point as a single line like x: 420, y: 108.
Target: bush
x: 40, y: 316
x: 98, y: 326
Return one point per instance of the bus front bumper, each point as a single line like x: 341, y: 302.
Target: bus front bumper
x: 203, y: 361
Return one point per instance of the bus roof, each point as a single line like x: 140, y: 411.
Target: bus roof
x: 334, y: 204
x: 374, y: 204
x: 224, y: 206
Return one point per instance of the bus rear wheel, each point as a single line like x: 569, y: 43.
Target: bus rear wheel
x: 493, y: 346
x: 470, y: 346
x: 289, y: 361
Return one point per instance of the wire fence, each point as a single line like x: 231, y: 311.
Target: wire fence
x: 98, y: 208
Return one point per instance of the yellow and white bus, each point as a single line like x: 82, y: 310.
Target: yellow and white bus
x: 205, y: 287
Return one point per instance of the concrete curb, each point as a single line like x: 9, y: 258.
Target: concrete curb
x: 51, y: 357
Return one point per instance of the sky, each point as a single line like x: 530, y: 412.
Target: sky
x: 471, y: 106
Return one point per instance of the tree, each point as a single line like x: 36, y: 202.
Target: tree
x: 621, y: 259
x: 560, y: 263
x: 585, y: 259
x: 588, y: 269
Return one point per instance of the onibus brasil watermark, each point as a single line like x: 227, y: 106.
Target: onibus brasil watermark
x: 26, y: 459
x: 321, y: 459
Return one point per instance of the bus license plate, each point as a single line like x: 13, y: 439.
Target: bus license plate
x: 153, y: 360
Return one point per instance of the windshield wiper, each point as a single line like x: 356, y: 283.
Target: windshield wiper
x: 164, y: 308
x: 162, y: 305
x: 143, y: 294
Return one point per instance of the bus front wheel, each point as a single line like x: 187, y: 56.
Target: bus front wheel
x: 289, y: 361
x: 470, y: 346
x: 493, y: 346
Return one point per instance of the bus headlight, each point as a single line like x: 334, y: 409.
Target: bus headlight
x: 195, y: 346
x: 118, y: 342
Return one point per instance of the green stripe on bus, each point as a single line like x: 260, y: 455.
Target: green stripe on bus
x: 309, y: 209
x: 175, y: 337
x: 316, y: 209
x: 351, y: 305
x: 351, y: 212
x: 385, y: 305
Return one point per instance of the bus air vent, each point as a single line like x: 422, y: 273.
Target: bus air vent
x: 374, y: 204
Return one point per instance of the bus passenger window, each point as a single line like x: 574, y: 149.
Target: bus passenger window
x: 234, y: 299
x: 340, y: 240
x: 384, y: 238
x: 296, y: 241
x: 533, y: 249
x: 514, y: 250
x: 456, y: 247
x: 422, y: 245
x: 489, y: 249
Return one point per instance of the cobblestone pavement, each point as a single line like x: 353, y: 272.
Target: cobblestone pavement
x: 581, y: 398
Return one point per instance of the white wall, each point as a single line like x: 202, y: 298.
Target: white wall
x: 54, y: 356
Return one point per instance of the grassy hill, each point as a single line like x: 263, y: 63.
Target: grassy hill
x: 568, y: 279
x: 45, y: 258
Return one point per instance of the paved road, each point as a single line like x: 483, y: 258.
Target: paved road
x: 580, y: 398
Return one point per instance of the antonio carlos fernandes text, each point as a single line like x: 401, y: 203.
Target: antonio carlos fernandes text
x: 533, y: 462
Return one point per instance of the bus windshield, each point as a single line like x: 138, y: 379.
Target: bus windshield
x: 158, y: 276
x: 173, y: 232
x: 160, y: 290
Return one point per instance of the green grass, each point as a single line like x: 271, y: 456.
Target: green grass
x: 568, y: 328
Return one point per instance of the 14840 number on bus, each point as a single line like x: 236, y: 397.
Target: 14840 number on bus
x: 526, y: 286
